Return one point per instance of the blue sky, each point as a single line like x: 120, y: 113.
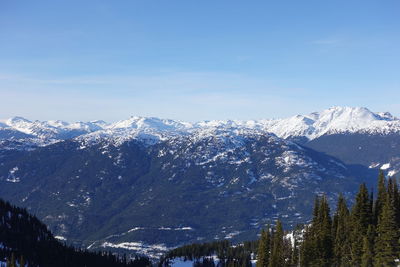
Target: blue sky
x: 196, y: 60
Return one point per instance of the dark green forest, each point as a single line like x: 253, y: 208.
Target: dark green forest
x: 365, y: 234
x: 25, y: 240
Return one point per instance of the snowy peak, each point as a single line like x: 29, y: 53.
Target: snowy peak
x: 347, y: 117
x: 335, y: 120
x: 386, y: 116
x: 330, y: 121
x: 341, y: 119
x: 149, y: 123
x: 18, y: 123
x: 49, y: 130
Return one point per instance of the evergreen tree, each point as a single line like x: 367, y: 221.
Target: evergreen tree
x: 368, y: 244
x: 316, y: 210
x: 361, y: 217
x: 387, y: 246
x: 295, y: 251
x: 324, y: 234
x: 12, y: 262
x: 22, y: 261
x: 307, y: 247
x: 263, y: 252
x: 380, y: 200
x: 317, y: 248
x: 393, y: 192
x: 277, y: 253
x: 361, y: 211
x: 341, y: 233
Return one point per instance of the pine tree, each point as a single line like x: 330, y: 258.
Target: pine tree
x: 317, y: 248
x: 263, y: 252
x: 324, y: 238
x: 277, y: 253
x: 387, y: 246
x: 297, y: 236
x: 12, y: 262
x: 380, y: 200
x: 393, y: 191
x: 22, y: 261
x: 308, y: 247
x: 368, y: 244
x: 362, y: 209
x: 360, y: 219
x: 341, y: 233
x: 316, y: 210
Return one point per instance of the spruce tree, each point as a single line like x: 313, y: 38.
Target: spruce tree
x: 317, y: 248
x: 277, y: 253
x: 297, y: 236
x: 324, y: 234
x: 263, y: 252
x: 308, y: 247
x: 380, y: 200
x: 393, y: 191
x: 316, y: 210
x: 361, y: 217
x: 368, y: 245
x: 341, y: 233
x: 387, y: 246
x: 12, y: 261
x: 22, y: 261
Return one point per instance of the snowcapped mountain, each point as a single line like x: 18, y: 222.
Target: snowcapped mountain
x: 211, y: 184
x: 150, y: 180
x: 47, y: 130
x: 335, y: 120
x: 313, y: 130
x: 331, y: 121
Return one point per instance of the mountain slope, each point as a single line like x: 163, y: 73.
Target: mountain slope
x: 147, y: 184
x: 206, y: 185
x: 25, y: 238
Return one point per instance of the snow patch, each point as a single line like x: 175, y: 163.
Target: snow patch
x: 385, y: 166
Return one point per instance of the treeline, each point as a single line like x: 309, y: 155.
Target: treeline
x: 24, y: 239
x: 202, y: 254
x: 366, y: 235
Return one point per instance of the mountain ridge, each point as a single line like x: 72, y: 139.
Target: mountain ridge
x: 330, y: 121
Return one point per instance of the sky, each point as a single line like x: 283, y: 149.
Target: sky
x: 196, y: 60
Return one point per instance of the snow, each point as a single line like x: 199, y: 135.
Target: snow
x: 61, y: 238
x: 334, y: 120
x: 135, y: 229
x: 232, y: 235
x: 139, y: 247
x: 12, y: 178
x: 373, y: 165
x: 152, y: 130
x: 385, y: 166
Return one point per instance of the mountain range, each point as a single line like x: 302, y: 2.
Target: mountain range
x: 311, y: 126
x: 148, y: 184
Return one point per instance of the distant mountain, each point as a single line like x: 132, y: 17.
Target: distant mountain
x: 209, y: 184
x: 336, y: 120
x: 148, y: 184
